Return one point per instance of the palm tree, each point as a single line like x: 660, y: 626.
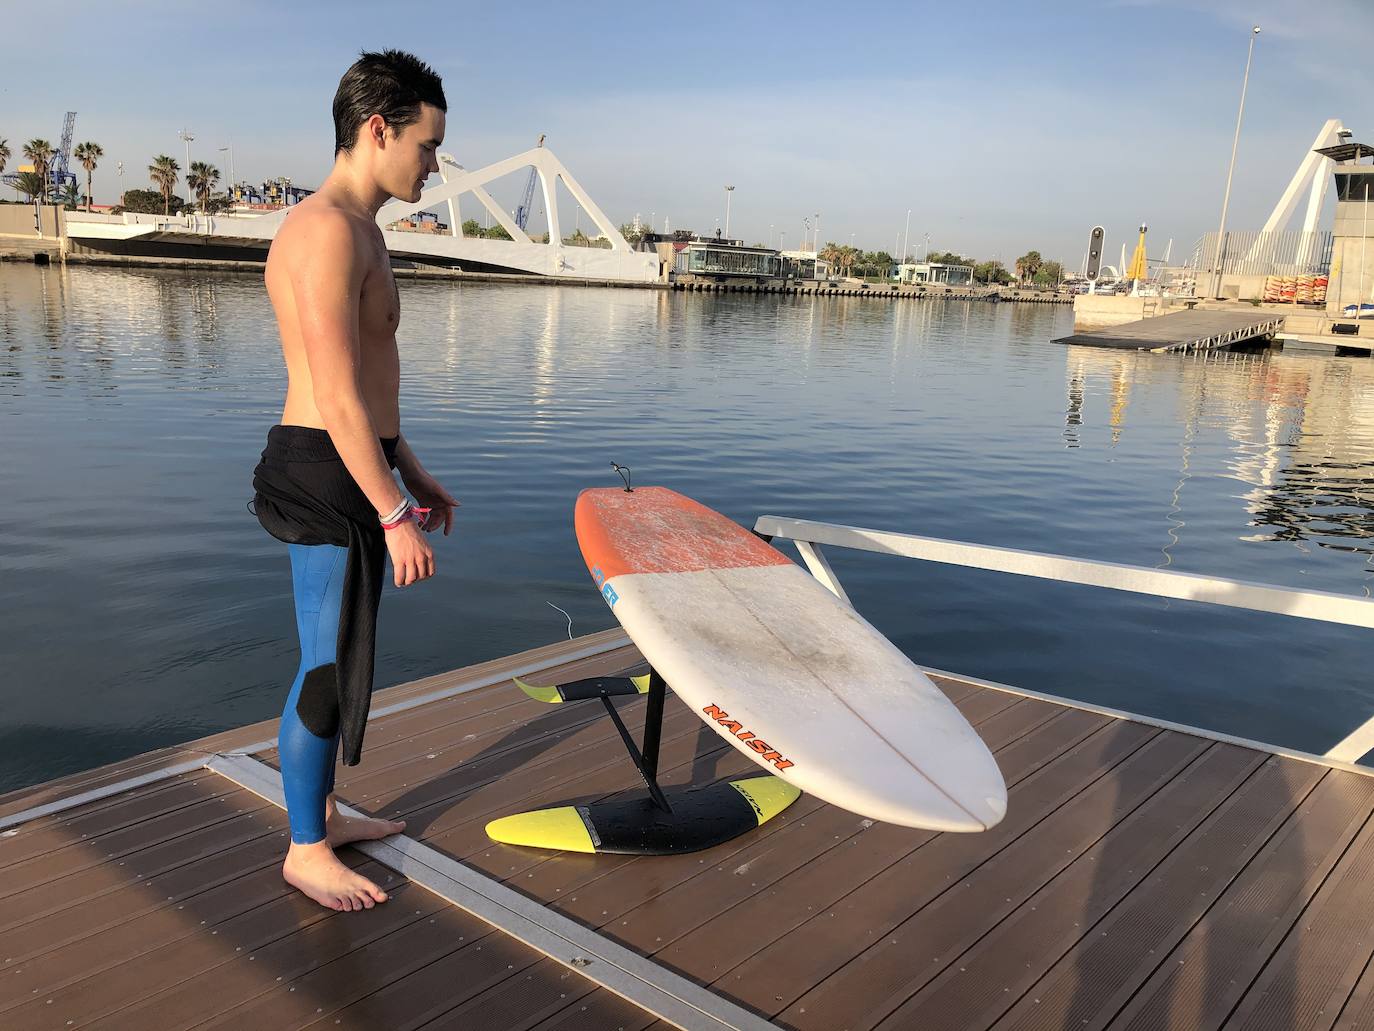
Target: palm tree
x: 1028, y: 265
x: 163, y: 172
x: 88, y: 154
x: 30, y: 184
x: 201, y: 180
x: 4, y: 153
x: 40, y: 153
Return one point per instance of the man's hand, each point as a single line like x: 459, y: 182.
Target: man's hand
x: 412, y: 559
x: 428, y: 493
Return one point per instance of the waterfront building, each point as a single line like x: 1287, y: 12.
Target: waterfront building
x: 1351, y: 288
x: 806, y: 265
x: 934, y: 272
x: 723, y: 260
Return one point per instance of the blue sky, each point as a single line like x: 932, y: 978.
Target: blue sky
x: 1001, y: 126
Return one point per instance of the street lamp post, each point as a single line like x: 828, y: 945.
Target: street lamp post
x: 906, y: 236
x: 186, y: 138
x: 230, y: 149
x: 728, y: 190
x: 927, y: 251
x: 1226, y: 197
x: 818, y: 232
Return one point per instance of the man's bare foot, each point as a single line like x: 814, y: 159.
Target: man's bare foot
x: 316, y: 871
x: 340, y: 829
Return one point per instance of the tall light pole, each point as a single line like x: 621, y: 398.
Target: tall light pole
x: 906, y: 236
x: 818, y: 233
x: 728, y: 190
x: 770, y: 236
x: 232, y: 180
x: 927, y: 257
x: 186, y: 138
x: 1235, y: 142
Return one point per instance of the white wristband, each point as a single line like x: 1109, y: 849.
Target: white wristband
x: 396, y: 512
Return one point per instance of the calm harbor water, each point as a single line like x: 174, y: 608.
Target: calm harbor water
x: 141, y: 605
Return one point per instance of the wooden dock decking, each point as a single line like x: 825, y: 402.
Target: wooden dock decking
x: 1144, y: 877
x: 1192, y: 330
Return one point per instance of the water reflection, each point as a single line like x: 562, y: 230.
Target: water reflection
x: 1298, y: 434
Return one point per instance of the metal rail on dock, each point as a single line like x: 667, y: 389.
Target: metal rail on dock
x: 1325, y: 606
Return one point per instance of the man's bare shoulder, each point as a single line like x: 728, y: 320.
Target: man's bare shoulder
x: 322, y: 228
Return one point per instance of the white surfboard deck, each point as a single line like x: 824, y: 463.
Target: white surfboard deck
x: 781, y: 668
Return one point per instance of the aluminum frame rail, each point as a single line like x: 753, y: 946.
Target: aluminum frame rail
x: 1324, y: 606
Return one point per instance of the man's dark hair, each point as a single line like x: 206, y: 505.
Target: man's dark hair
x: 392, y: 84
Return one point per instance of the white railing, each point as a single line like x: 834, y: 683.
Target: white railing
x: 1319, y: 605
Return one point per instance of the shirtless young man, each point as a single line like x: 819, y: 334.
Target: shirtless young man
x: 330, y: 461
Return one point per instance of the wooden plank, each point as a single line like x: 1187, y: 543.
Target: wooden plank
x: 488, y: 958
x: 213, y: 807
x: 88, y: 937
x: 668, y: 900
x: 505, y: 986
x: 112, y: 773
x: 783, y: 972
x: 1199, y: 982
x: 26, y: 913
x: 131, y: 992
x: 85, y: 825
x: 711, y: 948
x: 1093, y: 980
x: 1084, y: 867
x: 542, y: 992
x: 1312, y: 974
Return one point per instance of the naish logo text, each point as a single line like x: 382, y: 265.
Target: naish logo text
x: 766, y: 751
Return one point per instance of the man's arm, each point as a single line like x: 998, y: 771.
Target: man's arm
x: 425, y: 488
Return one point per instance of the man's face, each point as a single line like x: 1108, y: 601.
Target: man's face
x: 412, y: 154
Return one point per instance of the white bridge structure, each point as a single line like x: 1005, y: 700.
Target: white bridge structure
x: 520, y: 254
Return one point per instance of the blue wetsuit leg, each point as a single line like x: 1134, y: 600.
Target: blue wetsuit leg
x: 308, y: 753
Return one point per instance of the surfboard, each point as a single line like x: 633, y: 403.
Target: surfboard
x: 787, y: 673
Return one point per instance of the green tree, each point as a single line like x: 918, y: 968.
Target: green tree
x: 88, y: 154
x: 832, y: 254
x: 4, y: 153
x: 68, y: 196
x: 472, y: 228
x: 201, y: 180
x: 30, y: 184
x: 633, y: 235
x: 149, y: 202
x: 948, y: 258
x: 578, y: 239
x: 1028, y: 265
x: 164, y: 172
x: 39, y: 152
x: 1049, y: 274
x: 497, y: 232
x: 988, y: 271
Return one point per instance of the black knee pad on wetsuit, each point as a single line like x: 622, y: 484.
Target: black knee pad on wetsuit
x: 318, y: 704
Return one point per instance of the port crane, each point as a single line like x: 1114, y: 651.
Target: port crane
x: 522, y: 213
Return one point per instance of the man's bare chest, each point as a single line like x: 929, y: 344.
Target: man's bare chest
x: 379, y: 306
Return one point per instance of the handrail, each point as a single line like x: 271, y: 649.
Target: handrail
x: 1325, y: 606
x: 1243, y: 594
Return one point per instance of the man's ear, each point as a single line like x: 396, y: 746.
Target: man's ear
x: 376, y: 130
